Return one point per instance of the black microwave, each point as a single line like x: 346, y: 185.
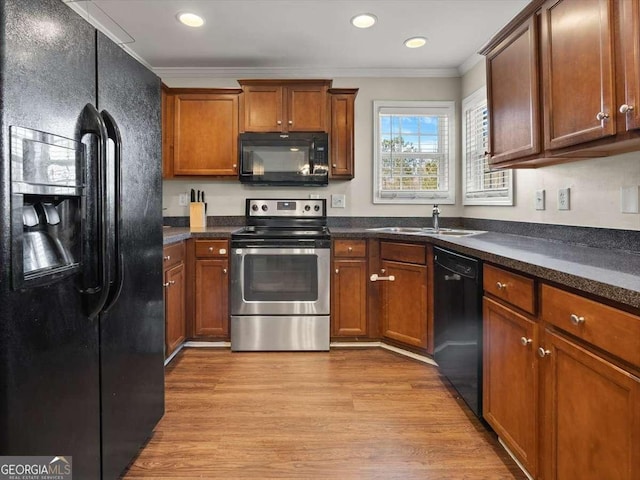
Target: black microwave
x: 284, y: 159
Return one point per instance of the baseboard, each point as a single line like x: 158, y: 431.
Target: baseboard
x: 524, y: 470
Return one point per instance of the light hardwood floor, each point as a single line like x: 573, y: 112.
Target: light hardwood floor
x: 344, y: 414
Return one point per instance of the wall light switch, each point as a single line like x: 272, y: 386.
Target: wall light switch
x: 183, y: 199
x: 539, y: 200
x: 338, y: 201
x: 563, y: 198
x: 629, y: 199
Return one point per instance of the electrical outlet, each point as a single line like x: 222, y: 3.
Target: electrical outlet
x: 183, y: 199
x: 563, y: 198
x: 539, y: 200
x: 338, y: 201
x: 314, y: 196
x: 629, y: 199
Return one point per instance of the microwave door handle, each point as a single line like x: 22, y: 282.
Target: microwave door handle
x: 113, y: 133
x: 92, y: 123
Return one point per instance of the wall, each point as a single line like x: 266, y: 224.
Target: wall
x: 595, y: 184
x: 227, y: 197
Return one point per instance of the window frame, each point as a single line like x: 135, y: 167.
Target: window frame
x: 473, y: 101
x: 445, y: 107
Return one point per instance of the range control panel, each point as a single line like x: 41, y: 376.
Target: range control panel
x: 272, y: 207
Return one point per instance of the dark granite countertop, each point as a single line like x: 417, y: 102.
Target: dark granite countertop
x: 610, y: 274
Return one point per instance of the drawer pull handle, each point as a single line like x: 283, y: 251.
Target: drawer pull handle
x: 525, y: 341
x: 543, y: 353
x: 167, y: 258
x: 222, y: 251
x: 576, y: 320
x: 501, y: 286
x: 376, y: 278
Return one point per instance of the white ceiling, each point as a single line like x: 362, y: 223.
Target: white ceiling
x: 303, y: 37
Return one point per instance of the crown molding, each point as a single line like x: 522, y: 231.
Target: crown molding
x: 300, y: 72
x: 469, y: 63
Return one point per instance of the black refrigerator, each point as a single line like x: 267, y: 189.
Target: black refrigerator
x: 81, y: 300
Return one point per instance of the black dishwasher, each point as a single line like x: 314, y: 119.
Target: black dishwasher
x: 458, y: 323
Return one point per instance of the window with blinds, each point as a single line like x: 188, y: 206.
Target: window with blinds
x: 481, y: 186
x: 414, y: 150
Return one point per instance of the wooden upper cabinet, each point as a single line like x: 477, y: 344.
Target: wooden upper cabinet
x: 205, y: 133
x: 578, y: 71
x: 341, y: 134
x: 284, y: 105
x: 513, y: 95
x: 629, y: 103
x: 167, y: 132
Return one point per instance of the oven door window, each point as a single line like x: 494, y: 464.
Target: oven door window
x: 281, y: 278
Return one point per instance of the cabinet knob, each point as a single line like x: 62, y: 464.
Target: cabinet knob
x: 501, y: 286
x: 211, y: 249
x: 576, y: 320
x: 334, y: 165
x: 290, y: 122
x: 487, y: 154
x: 235, y: 165
x: 626, y: 108
x: 167, y: 258
x: 166, y: 285
x: 602, y: 116
x: 337, y: 271
x: 543, y: 353
x: 525, y: 341
x: 350, y: 249
x: 279, y: 122
x: 172, y: 282
x: 224, y: 270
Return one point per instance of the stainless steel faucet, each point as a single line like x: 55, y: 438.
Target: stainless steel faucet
x: 436, y: 218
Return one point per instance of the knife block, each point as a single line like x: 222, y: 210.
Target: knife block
x: 197, y: 217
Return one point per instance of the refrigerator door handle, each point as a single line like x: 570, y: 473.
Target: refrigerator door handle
x: 91, y: 123
x: 113, y: 133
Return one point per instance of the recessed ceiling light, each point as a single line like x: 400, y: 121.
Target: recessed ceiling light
x: 415, y: 42
x: 190, y: 19
x: 364, y: 20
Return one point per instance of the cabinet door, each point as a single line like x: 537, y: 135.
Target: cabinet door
x: 167, y: 133
x: 212, y: 287
x: 341, y: 153
x: 306, y: 108
x: 263, y: 109
x: 349, y: 298
x: 513, y: 95
x: 205, y: 134
x: 591, y: 415
x: 404, y: 303
x: 630, y: 41
x: 509, y: 395
x: 174, y: 307
x: 578, y: 67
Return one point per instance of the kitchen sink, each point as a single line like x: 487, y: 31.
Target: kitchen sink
x: 427, y: 231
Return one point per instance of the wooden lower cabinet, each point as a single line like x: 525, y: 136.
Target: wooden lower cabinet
x: 510, y: 380
x: 349, y: 298
x: 591, y: 428
x: 174, y: 297
x: 211, y: 313
x: 404, y: 299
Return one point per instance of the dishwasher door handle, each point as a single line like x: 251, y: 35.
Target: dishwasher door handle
x: 455, y: 277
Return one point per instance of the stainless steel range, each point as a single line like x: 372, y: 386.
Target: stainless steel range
x: 280, y: 264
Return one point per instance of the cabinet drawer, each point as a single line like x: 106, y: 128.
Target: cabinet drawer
x: 172, y: 255
x: 349, y: 248
x: 404, y: 252
x: 613, y: 330
x: 212, y: 248
x: 515, y: 289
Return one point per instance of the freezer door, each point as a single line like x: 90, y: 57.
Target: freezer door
x: 132, y: 329
x: 49, y: 379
